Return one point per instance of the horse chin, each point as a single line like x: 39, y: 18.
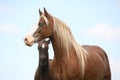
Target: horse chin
x: 29, y: 44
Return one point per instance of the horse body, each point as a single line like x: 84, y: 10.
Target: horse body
x: 71, y: 60
x: 63, y: 68
x: 97, y: 67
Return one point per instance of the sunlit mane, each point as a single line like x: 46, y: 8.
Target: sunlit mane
x: 46, y: 20
x: 66, y: 40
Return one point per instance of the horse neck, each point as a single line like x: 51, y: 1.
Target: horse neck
x: 44, y: 69
x: 59, y: 51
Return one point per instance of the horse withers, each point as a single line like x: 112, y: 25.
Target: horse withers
x: 42, y: 72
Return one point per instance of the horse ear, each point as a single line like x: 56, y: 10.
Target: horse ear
x: 46, y: 13
x: 40, y: 12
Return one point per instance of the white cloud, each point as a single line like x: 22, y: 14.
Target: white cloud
x: 9, y: 28
x: 104, y: 31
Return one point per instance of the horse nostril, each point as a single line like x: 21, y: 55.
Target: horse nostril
x: 25, y: 39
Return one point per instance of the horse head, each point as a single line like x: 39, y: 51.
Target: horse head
x: 41, y: 30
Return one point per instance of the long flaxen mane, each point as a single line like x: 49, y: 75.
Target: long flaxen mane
x: 66, y: 39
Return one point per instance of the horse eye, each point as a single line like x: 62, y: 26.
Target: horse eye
x: 41, y: 24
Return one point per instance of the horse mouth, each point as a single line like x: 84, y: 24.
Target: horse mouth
x: 29, y: 44
x: 29, y: 41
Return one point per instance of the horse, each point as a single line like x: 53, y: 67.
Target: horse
x: 42, y: 72
x: 71, y: 61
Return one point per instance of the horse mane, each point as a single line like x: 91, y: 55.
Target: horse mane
x: 67, y: 40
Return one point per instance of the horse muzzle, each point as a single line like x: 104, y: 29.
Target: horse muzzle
x: 29, y: 40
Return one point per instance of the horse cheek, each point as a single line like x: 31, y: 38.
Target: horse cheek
x: 44, y: 32
x: 48, y: 32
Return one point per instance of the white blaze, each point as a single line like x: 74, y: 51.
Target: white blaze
x: 34, y: 28
x: 46, y: 39
x: 43, y: 45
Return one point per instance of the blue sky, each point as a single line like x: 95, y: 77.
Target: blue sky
x: 92, y: 22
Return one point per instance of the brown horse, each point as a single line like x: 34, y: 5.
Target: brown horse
x: 71, y: 60
x: 42, y: 72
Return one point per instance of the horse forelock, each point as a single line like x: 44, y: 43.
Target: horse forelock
x: 66, y: 40
x: 45, y: 18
